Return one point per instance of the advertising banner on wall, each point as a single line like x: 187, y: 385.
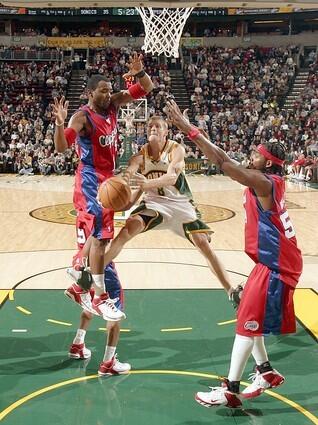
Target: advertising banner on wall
x: 76, y: 42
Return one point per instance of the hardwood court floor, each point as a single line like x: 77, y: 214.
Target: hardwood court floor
x: 30, y: 246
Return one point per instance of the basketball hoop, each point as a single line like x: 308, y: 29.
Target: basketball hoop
x: 129, y: 121
x: 163, y: 29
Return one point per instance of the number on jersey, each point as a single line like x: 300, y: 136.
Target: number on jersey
x: 288, y: 227
x: 81, y: 239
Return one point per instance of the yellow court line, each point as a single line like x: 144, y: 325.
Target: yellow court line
x: 175, y: 329
x: 41, y: 391
x: 11, y: 295
x: 227, y: 322
x: 44, y: 390
x: 59, y: 323
x: 3, y: 294
x: 296, y: 406
x: 121, y: 330
x: 306, y: 307
x: 23, y: 310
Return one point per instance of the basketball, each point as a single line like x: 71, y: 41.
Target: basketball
x: 114, y: 193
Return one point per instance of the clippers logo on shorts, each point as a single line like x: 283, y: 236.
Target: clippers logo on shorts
x: 109, y: 140
x: 251, y: 325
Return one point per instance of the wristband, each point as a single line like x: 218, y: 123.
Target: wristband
x: 193, y: 133
x: 59, y: 125
x: 140, y: 74
x: 136, y: 91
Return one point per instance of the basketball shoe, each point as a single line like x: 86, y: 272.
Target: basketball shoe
x: 81, y: 297
x: 79, y: 351
x: 113, y: 367
x: 101, y: 306
x: 262, y: 382
x: 219, y: 396
x: 80, y: 272
x: 105, y: 307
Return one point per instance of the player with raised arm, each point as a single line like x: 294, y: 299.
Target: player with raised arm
x: 167, y: 202
x: 267, y: 299
x: 93, y: 128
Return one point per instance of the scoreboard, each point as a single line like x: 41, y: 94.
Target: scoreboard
x: 99, y: 11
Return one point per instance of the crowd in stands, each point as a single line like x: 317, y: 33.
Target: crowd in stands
x: 26, y: 121
x: 235, y: 96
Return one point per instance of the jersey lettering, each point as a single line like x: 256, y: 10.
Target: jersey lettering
x: 109, y: 140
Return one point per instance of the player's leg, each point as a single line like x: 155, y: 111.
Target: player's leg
x: 78, y: 349
x: 97, y: 222
x: 102, y: 232
x: 251, y: 323
x: 134, y: 225
x: 93, y: 230
x: 201, y: 242
x: 279, y: 318
x: 96, y: 262
x: 110, y: 364
x: 229, y: 394
x: 81, y: 291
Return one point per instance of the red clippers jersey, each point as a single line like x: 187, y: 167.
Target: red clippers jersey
x: 99, y: 149
x: 270, y: 236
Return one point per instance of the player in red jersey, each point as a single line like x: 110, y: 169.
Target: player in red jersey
x: 93, y: 128
x: 267, y: 299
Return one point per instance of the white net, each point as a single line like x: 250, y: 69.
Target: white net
x: 163, y: 29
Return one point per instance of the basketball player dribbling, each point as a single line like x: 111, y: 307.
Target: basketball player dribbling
x: 267, y: 299
x: 94, y: 130
x: 167, y: 202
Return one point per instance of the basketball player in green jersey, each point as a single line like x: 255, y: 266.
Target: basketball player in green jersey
x: 167, y: 201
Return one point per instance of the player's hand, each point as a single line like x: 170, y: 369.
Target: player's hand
x: 176, y: 117
x: 140, y: 181
x: 59, y: 110
x: 135, y: 65
x: 185, y: 114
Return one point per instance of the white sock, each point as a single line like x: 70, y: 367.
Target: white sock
x: 109, y: 353
x: 259, y: 351
x: 98, y: 284
x: 79, y: 337
x: 241, y: 351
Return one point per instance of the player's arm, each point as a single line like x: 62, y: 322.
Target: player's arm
x: 169, y: 179
x: 251, y: 178
x: 135, y: 195
x: 64, y: 138
x: 137, y: 90
x: 135, y: 162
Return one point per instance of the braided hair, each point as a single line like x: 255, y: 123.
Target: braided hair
x: 278, y: 150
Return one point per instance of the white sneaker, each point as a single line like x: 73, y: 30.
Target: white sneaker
x: 79, y: 351
x: 81, y: 297
x: 105, y: 307
x: 219, y: 396
x: 113, y: 367
x: 262, y: 382
x: 82, y: 276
